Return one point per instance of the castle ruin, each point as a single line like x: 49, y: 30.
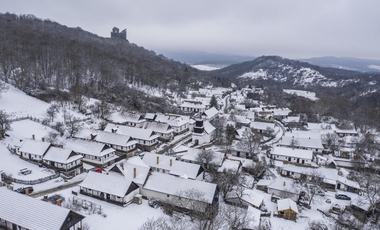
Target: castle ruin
x: 116, y: 34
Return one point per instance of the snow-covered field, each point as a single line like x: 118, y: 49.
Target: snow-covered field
x: 18, y: 104
x: 302, y: 93
x: 11, y: 164
x: 205, y: 67
x: 376, y: 67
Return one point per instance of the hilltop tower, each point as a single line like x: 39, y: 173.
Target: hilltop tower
x: 116, y: 34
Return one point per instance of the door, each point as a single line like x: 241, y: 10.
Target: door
x: 298, y: 160
x: 288, y: 173
x: 303, y: 161
x: 30, y: 156
x: 108, y: 196
x: 338, y: 186
x: 289, y: 159
x: 238, y: 154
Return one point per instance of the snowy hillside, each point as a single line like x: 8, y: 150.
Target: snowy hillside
x: 302, y: 93
x: 18, y: 104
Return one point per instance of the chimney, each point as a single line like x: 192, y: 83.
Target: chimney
x: 171, y: 162
x: 34, y: 137
x: 43, y: 139
x: 27, y: 192
x: 134, y: 172
x: 158, y: 160
x: 59, y: 202
x: 284, y: 183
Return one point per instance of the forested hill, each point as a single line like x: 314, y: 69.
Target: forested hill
x: 290, y: 73
x: 38, y: 54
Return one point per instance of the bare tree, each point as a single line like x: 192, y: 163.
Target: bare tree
x: 227, y: 180
x: 51, y: 112
x: 235, y: 217
x: 204, y: 158
x: 331, y: 141
x: 251, y: 142
x: 73, y: 124
x: 294, y: 143
x: 52, y: 137
x: 311, y: 184
x: 5, y: 123
x: 371, y: 184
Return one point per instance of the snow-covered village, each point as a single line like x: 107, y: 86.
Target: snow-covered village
x: 99, y: 133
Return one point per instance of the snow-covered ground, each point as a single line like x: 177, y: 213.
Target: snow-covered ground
x: 18, y: 104
x: 11, y: 164
x: 205, y: 67
x: 302, y: 93
x: 376, y: 67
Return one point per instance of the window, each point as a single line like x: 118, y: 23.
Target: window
x: 167, y: 195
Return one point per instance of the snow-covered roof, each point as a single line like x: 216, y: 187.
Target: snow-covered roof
x: 35, y: 147
x: 261, y: 125
x: 348, y: 182
x: 173, y: 120
x: 291, y: 119
x: 60, y: 155
x: 211, y: 112
x: 127, y: 117
x: 192, y: 154
x: 88, y: 147
x: 346, y: 131
x: 287, y: 203
x: 303, y: 134
x: 209, y: 128
x: 177, y: 186
x: 327, y: 173
x: 281, y: 112
x: 303, y: 142
x: 250, y: 196
x: 137, y: 133
x: 230, y: 164
x: 177, y: 168
x: 158, y: 160
x: 150, y: 116
x: 283, y: 184
x: 128, y: 170
x: 361, y: 203
x: 254, y: 220
x: 31, y: 213
x: 193, y: 104
x: 113, y: 184
x: 263, y: 182
x: 245, y: 162
x: 158, y: 127
x: 296, y: 153
x: 105, y: 137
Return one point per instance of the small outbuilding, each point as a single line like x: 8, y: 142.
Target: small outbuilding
x: 287, y: 209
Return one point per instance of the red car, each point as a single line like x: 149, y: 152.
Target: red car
x: 98, y: 170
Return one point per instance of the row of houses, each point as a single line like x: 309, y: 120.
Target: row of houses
x: 153, y: 177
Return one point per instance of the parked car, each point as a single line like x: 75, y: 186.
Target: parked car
x: 342, y: 197
x: 98, y: 170
x: 328, y: 201
x: 23, y: 190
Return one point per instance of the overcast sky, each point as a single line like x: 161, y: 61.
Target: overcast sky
x: 289, y: 28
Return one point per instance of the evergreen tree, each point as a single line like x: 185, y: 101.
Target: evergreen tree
x: 213, y: 102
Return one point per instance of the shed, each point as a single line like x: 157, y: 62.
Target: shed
x: 287, y: 209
